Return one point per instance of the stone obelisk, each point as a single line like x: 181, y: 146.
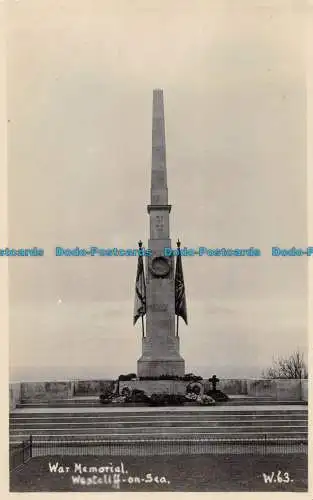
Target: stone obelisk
x: 160, y: 346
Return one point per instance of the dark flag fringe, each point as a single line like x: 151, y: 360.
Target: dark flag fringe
x: 180, y: 295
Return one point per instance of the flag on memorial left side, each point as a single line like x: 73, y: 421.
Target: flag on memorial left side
x: 140, y: 290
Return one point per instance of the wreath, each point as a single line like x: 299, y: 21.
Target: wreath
x: 194, y: 388
x: 126, y: 392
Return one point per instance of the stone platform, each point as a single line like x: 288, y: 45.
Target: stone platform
x: 282, y: 391
x: 90, y: 402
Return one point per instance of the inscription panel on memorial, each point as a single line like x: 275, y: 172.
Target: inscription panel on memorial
x: 159, y: 226
x: 159, y: 223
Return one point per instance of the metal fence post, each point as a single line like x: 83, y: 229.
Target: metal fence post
x: 30, y: 446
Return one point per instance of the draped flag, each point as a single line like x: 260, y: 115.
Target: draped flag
x: 180, y: 295
x: 140, y: 292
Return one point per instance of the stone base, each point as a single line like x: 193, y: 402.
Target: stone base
x: 155, y: 368
x: 154, y: 386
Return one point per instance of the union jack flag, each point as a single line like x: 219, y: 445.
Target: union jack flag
x: 180, y: 295
x: 140, y: 292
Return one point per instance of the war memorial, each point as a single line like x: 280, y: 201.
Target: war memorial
x: 133, y: 434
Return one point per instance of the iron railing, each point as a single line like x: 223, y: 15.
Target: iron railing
x: 20, y: 453
x: 159, y: 446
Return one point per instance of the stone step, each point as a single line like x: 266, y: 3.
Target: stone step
x: 261, y: 401
x: 126, y: 422
x: 199, y: 417
x: 61, y: 404
x: 90, y: 399
x: 212, y: 420
x: 223, y: 427
x: 96, y: 404
x: 50, y: 424
x: 160, y: 428
x: 276, y: 423
x: 159, y: 413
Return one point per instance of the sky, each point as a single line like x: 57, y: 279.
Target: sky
x: 80, y: 77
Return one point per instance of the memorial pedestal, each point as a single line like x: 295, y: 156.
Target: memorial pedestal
x: 156, y: 367
x: 155, y: 386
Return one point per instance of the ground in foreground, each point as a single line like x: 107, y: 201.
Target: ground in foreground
x: 178, y: 473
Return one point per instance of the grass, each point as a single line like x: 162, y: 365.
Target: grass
x: 182, y: 473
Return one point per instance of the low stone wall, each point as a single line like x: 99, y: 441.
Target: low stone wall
x: 262, y: 388
x: 229, y: 386
x: 15, y: 394
x: 288, y: 390
x: 278, y: 389
x: 304, y: 390
x: 92, y: 387
x: 46, y: 391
